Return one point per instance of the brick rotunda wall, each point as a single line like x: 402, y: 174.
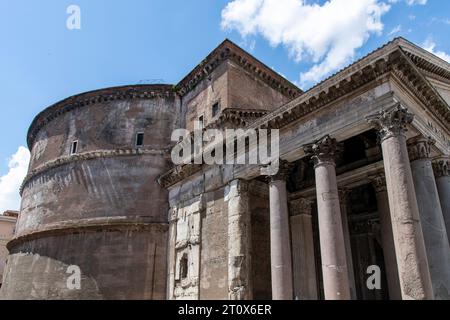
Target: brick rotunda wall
x: 101, y: 208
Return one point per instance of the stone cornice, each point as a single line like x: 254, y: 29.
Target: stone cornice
x: 90, y: 225
x: 423, y: 61
x: 93, y: 97
x: 10, y: 213
x: 98, y: 154
x: 388, y: 60
x: 8, y: 219
x: 409, y: 75
x: 228, y: 50
x: 177, y: 174
x: 236, y: 118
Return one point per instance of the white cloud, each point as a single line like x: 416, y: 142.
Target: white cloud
x: 414, y: 2
x: 10, y: 182
x: 430, y: 46
x: 411, y: 2
x: 395, y: 30
x: 327, y: 34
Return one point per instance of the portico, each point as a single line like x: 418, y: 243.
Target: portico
x: 363, y: 182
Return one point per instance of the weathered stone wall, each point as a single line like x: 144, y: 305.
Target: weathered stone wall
x: 199, y: 101
x: 245, y: 91
x: 121, y: 263
x: 7, y: 227
x: 231, y: 87
x: 107, y: 125
x: 100, y: 209
x: 214, y: 254
x: 198, y: 232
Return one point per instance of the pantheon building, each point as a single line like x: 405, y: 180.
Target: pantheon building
x: 359, y: 208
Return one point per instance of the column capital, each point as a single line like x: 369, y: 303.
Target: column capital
x: 324, y: 151
x: 239, y: 186
x: 284, y: 170
x: 343, y: 193
x: 379, y: 182
x: 300, y: 206
x: 441, y: 166
x: 420, y: 147
x: 392, y: 122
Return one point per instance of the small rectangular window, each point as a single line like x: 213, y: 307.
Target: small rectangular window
x: 201, y: 122
x: 215, y: 109
x: 74, y: 147
x: 139, y: 139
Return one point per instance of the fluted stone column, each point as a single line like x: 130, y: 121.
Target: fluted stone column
x: 441, y: 168
x: 280, y: 243
x: 304, y: 263
x: 343, y: 194
x: 387, y: 237
x: 414, y: 275
x: 433, y: 225
x: 332, y: 244
x: 239, y: 242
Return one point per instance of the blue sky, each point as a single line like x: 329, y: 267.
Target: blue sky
x: 142, y: 41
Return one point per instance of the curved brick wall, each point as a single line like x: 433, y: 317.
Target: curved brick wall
x: 100, y: 209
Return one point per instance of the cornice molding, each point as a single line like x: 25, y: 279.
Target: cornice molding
x: 428, y: 66
x: 178, y: 174
x: 388, y: 61
x: 321, y: 95
x: 236, y: 118
x: 89, y: 225
x: 94, y: 97
x: 229, y: 51
x: 393, y: 62
x: 415, y: 81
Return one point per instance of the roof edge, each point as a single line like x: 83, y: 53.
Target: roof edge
x: 93, y: 96
x: 229, y: 50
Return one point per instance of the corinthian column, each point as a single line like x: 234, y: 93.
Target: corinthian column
x: 332, y: 243
x: 239, y: 242
x: 387, y: 237
x: 433, y: 225
x: 305, y: 286
x: 280, y: 243
x: 414, y: 275
x: 343, y: 195
x: 442, y: 173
